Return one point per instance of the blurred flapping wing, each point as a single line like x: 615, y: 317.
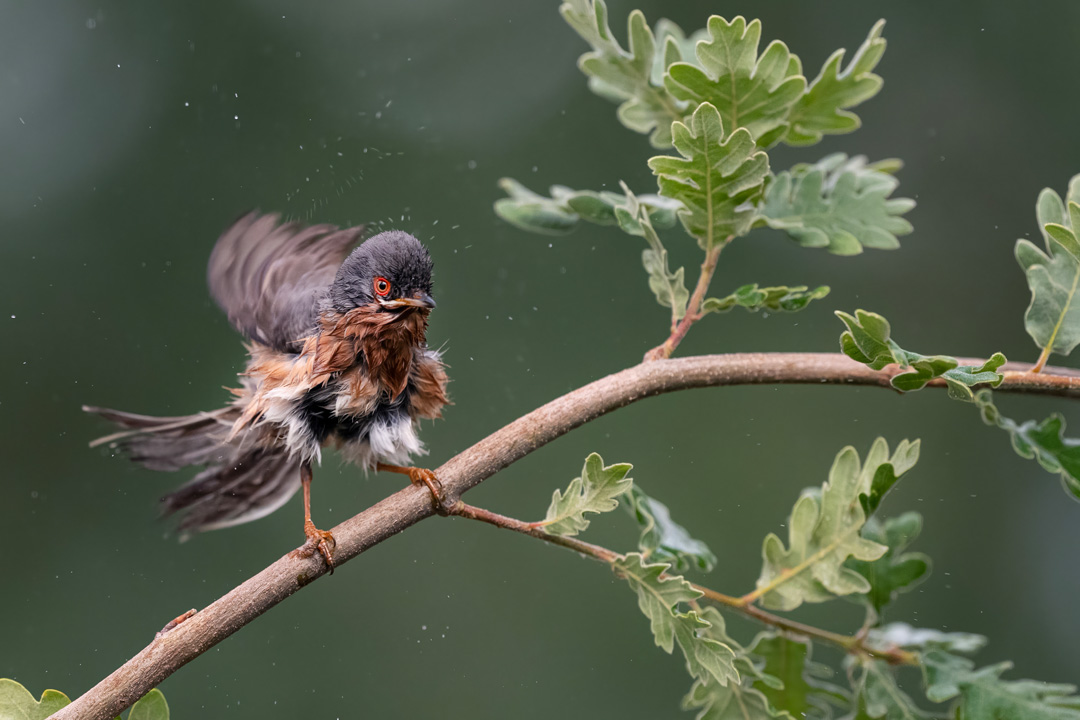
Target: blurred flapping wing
x: 268, y: 277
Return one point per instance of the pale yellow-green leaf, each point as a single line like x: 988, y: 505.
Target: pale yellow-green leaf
x: 595, y: 491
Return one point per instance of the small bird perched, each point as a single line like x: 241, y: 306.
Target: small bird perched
x: 338, y: 357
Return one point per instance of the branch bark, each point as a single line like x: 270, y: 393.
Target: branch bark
x: 172, y: 650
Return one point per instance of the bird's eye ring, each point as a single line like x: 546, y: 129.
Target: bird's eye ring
x: 382, y: 286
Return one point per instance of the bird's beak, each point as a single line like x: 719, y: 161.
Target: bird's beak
x: 420, y: 300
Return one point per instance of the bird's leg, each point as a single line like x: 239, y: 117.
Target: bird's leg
x: 418, y: 476
x: 317, y: 539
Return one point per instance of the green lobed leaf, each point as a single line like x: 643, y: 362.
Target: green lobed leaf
x: 659, y: 595
x: 895, y: 571
x: 713, y: 179
x: 983, y: 693
x: 878, y: 697
x: 668, y: 287
x: 1043, y: 441
x: 822, y: 110
x: 625, y: 76
x: 151, y: 706
x: 1053, y: 316
x: 664, y: 539
x: 16, y: 702
x: 868, y: 340
x: 593, y: 492
x: 838, y: 203
x: 824, y: 531
x: 751, y: 92
x: 560, y: 213
x: 776, y: 299
x: 905, y: 636
x: 804, y: 688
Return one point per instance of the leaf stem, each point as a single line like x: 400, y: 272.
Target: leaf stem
x: 854, y: 644
x: 693, y: 308
x: 1043, y: 357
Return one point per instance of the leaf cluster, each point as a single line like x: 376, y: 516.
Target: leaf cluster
x: 837, y: 547
x: 868, y: 340
x: 720, y: 102
x: 717, y: 103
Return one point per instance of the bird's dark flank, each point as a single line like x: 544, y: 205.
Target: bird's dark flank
x: 338, y: 357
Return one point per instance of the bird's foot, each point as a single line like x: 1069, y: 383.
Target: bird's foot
x: 321, y: 541
x: 422, y: 476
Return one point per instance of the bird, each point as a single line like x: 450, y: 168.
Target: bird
x: 335, y: 332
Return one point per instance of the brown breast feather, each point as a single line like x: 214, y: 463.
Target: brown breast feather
x: 429, y: 383
x: 387, y: 342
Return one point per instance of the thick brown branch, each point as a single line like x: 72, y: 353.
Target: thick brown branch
x: 212, y: 624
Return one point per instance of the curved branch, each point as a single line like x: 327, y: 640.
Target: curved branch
x: 244, y: 603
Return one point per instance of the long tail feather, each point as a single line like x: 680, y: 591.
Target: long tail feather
x: 168, y: 443
x: 249, y: 486
x: 240, y: 481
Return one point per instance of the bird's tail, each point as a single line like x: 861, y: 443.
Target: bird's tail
x: 241, y: 481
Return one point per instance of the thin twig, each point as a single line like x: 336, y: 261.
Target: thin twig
x: 244, y: 603
x: 854, y: 644
x: 693, y: 307
x: 461, y: 509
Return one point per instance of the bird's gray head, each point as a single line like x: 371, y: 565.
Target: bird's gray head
x: 391, y: 270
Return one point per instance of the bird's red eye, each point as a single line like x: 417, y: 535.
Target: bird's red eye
x: 382, y: 286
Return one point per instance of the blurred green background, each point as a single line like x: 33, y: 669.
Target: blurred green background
x: 133, y: 133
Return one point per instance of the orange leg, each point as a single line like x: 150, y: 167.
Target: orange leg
x: 320, y: 540
x: 417, y: 476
